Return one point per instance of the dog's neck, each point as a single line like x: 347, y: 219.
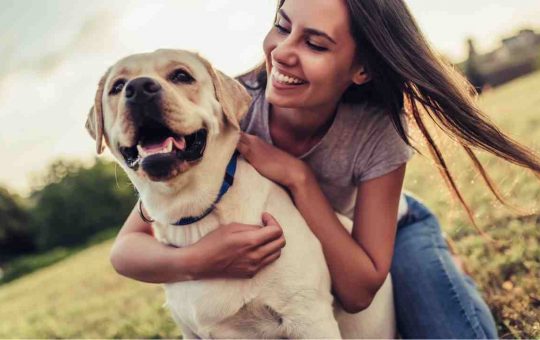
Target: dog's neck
x: 193, y: 192
x: 225, y: 185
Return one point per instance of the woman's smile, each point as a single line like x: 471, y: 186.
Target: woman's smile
x: 285, y: 81
x: 285, y: 78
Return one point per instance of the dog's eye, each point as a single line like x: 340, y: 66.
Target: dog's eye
x: 117, y: 86
x: 181, y: 76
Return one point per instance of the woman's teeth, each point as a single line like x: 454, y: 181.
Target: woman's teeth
x: 286, y: 79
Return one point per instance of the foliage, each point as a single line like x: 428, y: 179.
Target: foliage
x: 26, y: 264
x: 75, y: 202
x: 15, y: 236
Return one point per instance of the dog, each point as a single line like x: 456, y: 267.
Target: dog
x: 172, y: 122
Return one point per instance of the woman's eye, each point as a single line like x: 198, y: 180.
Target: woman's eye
x: 117, y: 86
x: 181, y: 76
x: 281, y: 29
x: 316, y: 47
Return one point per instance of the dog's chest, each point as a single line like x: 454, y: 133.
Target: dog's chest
x: 201, y: 305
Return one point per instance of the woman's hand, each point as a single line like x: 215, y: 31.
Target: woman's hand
x: 271, y: 162
x: 238, y: 250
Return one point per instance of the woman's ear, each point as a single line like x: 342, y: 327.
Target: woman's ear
x: 360, y: 76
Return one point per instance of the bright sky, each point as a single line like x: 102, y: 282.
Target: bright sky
x: 53, y: 53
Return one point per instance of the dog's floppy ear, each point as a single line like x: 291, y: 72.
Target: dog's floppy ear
x: 94, y: 122
x: 232, y: 96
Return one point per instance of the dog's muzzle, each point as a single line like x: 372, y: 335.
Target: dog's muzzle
x: 157, y: 149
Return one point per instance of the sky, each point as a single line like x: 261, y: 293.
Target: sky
x: 53, y: 53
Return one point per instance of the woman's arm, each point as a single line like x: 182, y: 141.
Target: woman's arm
x: 232, y: 250
x: 358, y: 264
x: 138, y: 255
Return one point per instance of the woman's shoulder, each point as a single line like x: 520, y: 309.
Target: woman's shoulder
x: 251, y: 82
x: 363, y: 118
x: 254, y: 114
x: 379, y: 147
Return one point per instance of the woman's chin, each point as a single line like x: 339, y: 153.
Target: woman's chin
x: 285, y: 100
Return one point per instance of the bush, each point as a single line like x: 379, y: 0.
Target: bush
x: 75, y: 202
x: 15, y: 236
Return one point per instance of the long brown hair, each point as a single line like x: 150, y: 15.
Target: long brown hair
x: 408, y: 77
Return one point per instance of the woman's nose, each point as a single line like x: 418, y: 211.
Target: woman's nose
x: 285, y: 53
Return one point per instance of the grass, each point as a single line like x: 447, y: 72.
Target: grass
x: 82, y: 297
x: 26, y: 264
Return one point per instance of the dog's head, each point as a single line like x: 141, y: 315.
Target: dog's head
x: 158, y: 112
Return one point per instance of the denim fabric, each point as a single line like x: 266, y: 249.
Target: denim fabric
x: 433, y: 298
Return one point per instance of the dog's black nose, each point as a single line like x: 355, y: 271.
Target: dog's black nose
x: 142, y: 90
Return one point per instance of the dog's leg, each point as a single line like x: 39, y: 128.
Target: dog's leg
x: 375, y: 322
x: 316, y: 322
x: 187, y: 333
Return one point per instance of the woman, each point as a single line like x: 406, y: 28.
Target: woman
x: 331, y: 101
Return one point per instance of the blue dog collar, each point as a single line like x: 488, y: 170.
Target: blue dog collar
x: 227, y: 183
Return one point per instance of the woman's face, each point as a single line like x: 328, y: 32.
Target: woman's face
x: 310, y: 55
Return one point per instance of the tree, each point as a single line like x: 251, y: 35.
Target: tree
x: 15, y: 235
x: 75, y: 202
x: 472, y: 68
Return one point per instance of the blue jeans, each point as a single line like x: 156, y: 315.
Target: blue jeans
x: 433, y: 298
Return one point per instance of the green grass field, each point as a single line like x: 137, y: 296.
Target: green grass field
x: 82, y: 296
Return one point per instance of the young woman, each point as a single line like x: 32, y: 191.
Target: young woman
x: 329, y: 110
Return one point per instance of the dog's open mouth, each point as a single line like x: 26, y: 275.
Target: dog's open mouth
x: 159, y: 150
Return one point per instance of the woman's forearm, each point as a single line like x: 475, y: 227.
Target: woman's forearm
x: 355, y: 278
x: 140, y: 256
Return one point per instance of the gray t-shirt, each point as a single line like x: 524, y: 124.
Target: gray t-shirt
x: 361, y: 144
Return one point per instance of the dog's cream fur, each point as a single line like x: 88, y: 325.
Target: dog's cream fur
x: 289, y: 298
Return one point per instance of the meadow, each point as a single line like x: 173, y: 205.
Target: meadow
x: 82, y: 296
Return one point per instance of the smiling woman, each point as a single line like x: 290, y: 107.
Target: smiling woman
x: 325, y: 54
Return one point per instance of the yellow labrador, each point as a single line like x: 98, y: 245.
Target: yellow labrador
x: 172, y: 122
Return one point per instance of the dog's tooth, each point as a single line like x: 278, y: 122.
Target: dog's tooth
x: 142, y: 153
x: 137, y: 161
x: 169, y: 146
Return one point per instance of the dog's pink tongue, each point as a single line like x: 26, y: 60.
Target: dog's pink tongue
x: 179, y: 143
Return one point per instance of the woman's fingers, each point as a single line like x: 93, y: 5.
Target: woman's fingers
x: 243, y: 145
x: 270, y: 248
x: 240, y: 227
x: 271, y: 242
x: 268, y: 219
x: 270, y: 231
x: 263, y: 236
x: 269, y: 259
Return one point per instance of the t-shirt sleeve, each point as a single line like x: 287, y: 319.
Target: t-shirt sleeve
x: 383, y: 152
x: 248, y: 116
x: 244, y: 122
